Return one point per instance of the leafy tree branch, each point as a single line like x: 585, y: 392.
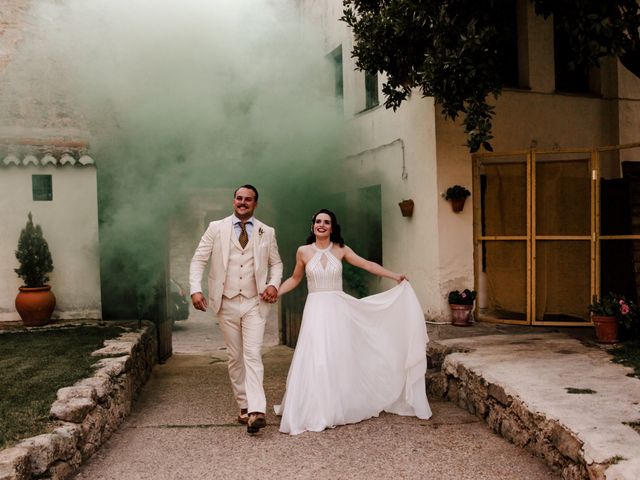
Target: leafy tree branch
x: 453, y: 50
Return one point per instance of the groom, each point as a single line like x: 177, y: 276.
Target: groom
x: 244, y: 276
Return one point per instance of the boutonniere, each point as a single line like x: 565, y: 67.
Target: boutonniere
x: 260, y: 232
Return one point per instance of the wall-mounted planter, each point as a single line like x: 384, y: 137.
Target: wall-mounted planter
x: 406, y: 207
x: 457, y: 204
x: 457, y: 195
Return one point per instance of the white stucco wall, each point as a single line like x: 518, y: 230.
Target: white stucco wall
x: 377, y: 140
x: 70, y: 226
x: 522, y: 117
x: 435, y: 247
x: 526, y: 118
x: 628, y: 103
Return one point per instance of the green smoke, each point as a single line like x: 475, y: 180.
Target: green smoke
x: 180, y: 98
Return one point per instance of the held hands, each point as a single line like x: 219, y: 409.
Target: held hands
x: 399, y: 278
x: 270, y: 294
x: 199, y: 302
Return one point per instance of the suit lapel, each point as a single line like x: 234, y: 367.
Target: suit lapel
x: 256, y: 237
x: 226, y: 229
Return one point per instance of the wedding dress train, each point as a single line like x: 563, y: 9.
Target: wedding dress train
x: 354, y: 357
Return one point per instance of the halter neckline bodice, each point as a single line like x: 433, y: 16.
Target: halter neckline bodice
x: 318, y: 249
x: 324, y: 271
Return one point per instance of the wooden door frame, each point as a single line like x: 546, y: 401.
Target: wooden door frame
x: 477, y: 230
x: 594, y: 237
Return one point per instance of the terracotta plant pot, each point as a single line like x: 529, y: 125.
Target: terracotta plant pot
x: 406, y: 207
x: 461, y: 315
x: 606, y: 328
x: 457, y: 204
x: 35, y: 305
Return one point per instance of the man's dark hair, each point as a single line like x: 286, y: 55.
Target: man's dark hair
x: 250, y: 187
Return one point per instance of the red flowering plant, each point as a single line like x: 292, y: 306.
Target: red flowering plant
x: 614, y: 305
x: 465, y: 297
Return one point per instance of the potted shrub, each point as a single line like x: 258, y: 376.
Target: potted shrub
x: 457, y: 195
x: 35, y: 301
x: 461, y: 304
x: 610, y: 312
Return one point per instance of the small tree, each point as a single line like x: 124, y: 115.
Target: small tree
x: 34, y: 256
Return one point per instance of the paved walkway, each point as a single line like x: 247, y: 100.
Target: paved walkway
x: 182, y: 427
x: 199, y: 334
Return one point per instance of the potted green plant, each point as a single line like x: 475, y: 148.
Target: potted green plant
x: 461, y: 304
x: 611, y: 311
x: 457, y: 195
x: 35, y: 302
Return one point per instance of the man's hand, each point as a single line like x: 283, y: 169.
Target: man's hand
x: 270, y: 294
x: 199, y: 302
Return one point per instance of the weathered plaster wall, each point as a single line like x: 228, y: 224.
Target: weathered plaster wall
x: 382, y: 146
x: 70, y: 226
x: 14, y: 13
x: 70, y: 221
x: 628, y: 106
x: 522, y: 117
x: 377, y: 142
x: 534, y: 117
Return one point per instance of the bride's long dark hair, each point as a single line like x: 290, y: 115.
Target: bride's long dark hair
x: 335, y: 236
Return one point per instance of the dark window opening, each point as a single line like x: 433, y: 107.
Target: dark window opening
x: 336, y: 59
x: 360, y: 211
x: 41, y: 186
x: 568, y: 79
x: 507, y: 18
x: 371, y: 89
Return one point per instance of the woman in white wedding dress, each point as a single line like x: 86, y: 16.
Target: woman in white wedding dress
x: 354, y: 357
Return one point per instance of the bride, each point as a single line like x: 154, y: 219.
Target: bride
x: 354, y: 358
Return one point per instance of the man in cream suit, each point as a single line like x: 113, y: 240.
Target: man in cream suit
x: 244, y: 278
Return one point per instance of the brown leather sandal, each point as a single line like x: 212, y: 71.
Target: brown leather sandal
x: 257, y: 420
x: 243, y: 418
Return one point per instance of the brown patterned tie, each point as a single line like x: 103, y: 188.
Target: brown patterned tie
x: 244, y: 237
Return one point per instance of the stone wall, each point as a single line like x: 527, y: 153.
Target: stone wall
x: 87, y: 413
x: 508, y: 416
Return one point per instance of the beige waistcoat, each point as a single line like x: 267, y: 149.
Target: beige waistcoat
x: 240, y: 279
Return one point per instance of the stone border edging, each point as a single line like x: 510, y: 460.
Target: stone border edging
x: 508, y: 416
x: 88, y: 412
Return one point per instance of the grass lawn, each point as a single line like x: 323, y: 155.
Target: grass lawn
x: 628, y: 354
x: 34, y: 365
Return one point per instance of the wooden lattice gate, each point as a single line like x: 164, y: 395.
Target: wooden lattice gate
x: 552, y: 230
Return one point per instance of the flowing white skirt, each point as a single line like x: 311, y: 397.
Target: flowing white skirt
x: 356, y: 358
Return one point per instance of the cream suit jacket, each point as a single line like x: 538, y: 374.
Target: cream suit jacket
x: 215, y: 245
